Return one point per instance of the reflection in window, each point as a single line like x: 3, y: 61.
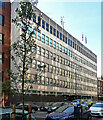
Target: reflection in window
x: 60, y: 36
x: 57, y: 34
x: 51, y: 29
x: 38, y: 36
x: 60, y: 47
x: 51, y: 42
x: 43, y: 38
x: 47, y: 40
x: 42, y: 80
x: 54, y: 31
x: 47, y: 26
x: 38, y: 50
x: 43, y: 24
x: 54, y: 44
x: 34, y: 64
x: 1, y: 20
x: 34, y: 34
x: 34, y: 18
x: 57, y: 46
x: 2, y: 3
x: 43, y: 52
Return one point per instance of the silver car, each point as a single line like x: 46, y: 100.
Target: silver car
x: 96, y: 109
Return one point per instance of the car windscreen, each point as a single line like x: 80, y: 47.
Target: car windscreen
x: 98, y: 105
x: 61, y: 109
x: 69, y: 110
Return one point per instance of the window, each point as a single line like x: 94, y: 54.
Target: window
x: 47, y: 40
x: 54, y: 82
x: 34, y: 33
x: 51, y: 55
x: 60, y: 36
x: 29, y: 30
x: 54, y: 31
x: 60, y: 47
x: 47, y: 26
x: 42, y: 80
x: 34, y: 18
x: 75, y: 46
x: 43, y: 38
x: 65, y: 39
x: 39, y: 21
x: 34, y: 64
x: 63, y: 49
x: 57, y: 34
x: 1, y: 76
x: 38, y: 36
x: 60, y: 83
x: 47, y: 81
x: 57, y: 46
x: 38, y: 50
x: 54, y: 44
x: 1, y: 20
x: 38, y: 65
x: 43, y: 52
x: 51, y: 29
x: 43, y: 24
x: 51, y: 82
x: 47, y: 67
x: 46, y: 53
x: 68, y: 42
x: 1, y: 57
x: 57, y: 70
x: 51, y: 42
x: 2, y: 3
x: 66, y: 50
x: 60, y: 59
x: 71, y: 43
x: 1, y: 38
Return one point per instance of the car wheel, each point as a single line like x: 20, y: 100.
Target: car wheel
x: 33, y: 111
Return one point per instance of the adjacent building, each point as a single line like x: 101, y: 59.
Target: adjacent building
x: 71, y: 68
x: 5, y: 40
x: 100, y: 88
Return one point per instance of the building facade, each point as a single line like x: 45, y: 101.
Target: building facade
x: 100, y: 88
x: 71, y: 68
x: 5, y: 39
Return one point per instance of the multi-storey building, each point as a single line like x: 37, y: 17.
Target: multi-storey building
x: 5, y: 31
x: 71, y: 68
x: 100, y: 88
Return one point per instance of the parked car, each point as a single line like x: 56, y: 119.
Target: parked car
x: 26, y: 104
x: 45, y: 106
x: 96, y: 109
x: 55, y: 106
x: 69, y: 112
x: 6, y: 114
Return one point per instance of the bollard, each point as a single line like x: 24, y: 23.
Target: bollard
x: 29, y: 112
x: 14, y: 110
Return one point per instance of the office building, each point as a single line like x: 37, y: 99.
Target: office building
x: 71, y: 68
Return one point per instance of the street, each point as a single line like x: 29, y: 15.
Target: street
x: 39, y: 115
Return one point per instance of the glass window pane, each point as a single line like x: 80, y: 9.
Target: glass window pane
x: 34, y: 18
x: 43, y: 24
x: 47, y: 40
x: 54, y: 44
x: 47, y: 26
x: 51, y: 42
x: 43, y: 38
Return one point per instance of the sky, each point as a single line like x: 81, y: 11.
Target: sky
x: 80, y: 17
